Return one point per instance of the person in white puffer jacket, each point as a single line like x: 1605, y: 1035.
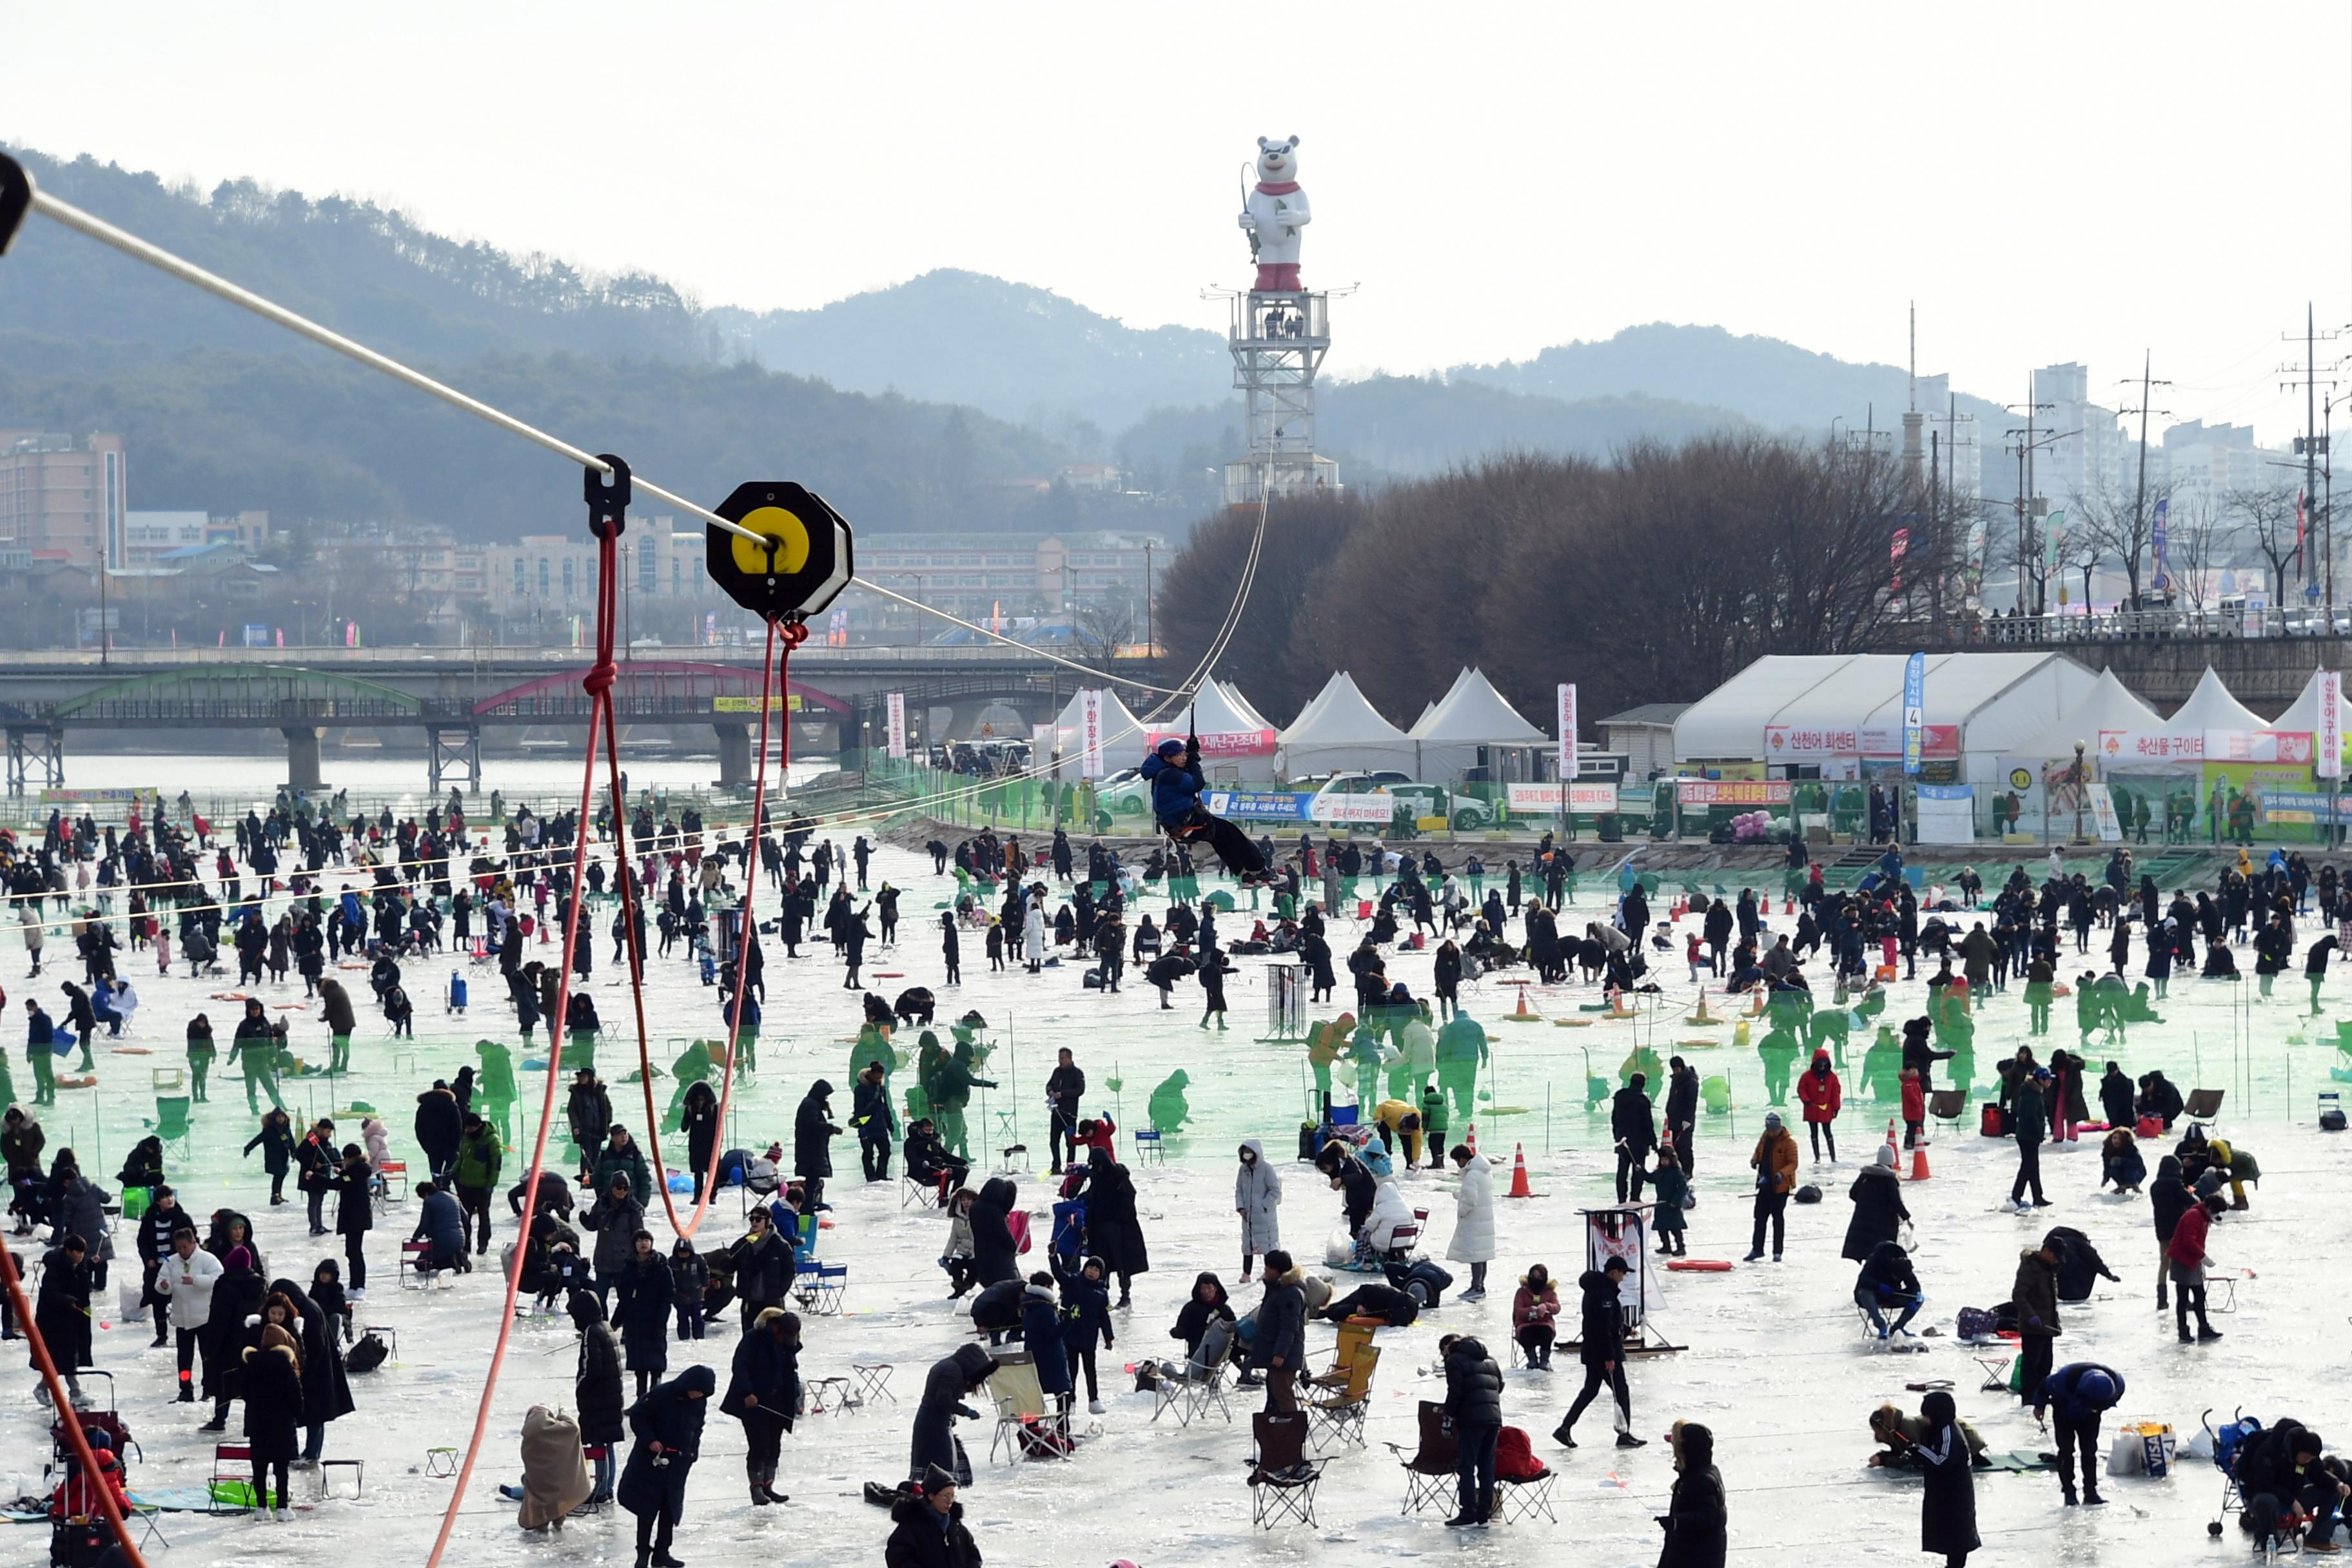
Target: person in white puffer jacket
x: 185, y: 1278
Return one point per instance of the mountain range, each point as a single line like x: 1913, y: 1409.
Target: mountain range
x: 916, y: 405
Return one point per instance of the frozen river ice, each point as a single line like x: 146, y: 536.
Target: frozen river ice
x: 1774, y: 1363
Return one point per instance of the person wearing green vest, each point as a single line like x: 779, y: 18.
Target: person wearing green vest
x: 694, y: 1065
x: 873, y: 1044
x: 479, y: 1154
x: 1462, y: 1050
x: 952, y: 1092
x: 1169, y: 1106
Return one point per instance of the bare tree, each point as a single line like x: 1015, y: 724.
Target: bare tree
x: 1104, y: 624
x: 2269, y: 514
x: 2192, y: 539
x: 2119, y: 525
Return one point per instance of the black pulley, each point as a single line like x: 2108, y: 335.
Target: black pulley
x: 803, y: 562
x: 15, y: 199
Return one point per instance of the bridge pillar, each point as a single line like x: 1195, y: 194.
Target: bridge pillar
x: 734, y: 755
x: 453, y: 757
x: 302, y: 757
x: 40, y: 750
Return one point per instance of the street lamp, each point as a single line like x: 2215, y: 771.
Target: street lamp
x: 2081, y: 774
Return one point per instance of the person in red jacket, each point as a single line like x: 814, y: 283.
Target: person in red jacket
x: 1915, y: 1107
x: 1819, y: 1092
x: 76, y: 1498
x: 2186, y: 1255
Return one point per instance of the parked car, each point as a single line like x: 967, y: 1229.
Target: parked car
x: 1413, y: 799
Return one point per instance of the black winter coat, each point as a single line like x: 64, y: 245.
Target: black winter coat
x: 1696, y: 1519
x: 920, y: 1541
x: 813, y: 1133
x: 641, y: 1300
x: 1473, y: 1386
x: 1114, y: 1233
x: 1281, y: 1325
x: 237, y: 1296
x: 326, y: 1392
x: 946, y: 1388
x: 1878, y: 1211
x: 994, y: 1258
x: 1602, y: 1335
x: 273, y: 1412
x: 668, y: 1416
x: 596, y: 1387
x: 764, y: 1274
x: 768, y: 1369
x: 1948, y: 1513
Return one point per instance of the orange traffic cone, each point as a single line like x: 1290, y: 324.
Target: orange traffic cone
x: 1699, y: 1015
x: 1519, y: 1188
x: 1470, y: 1137
x: 1523, y: 1012
x: 1890, y: 1132
x: 1919, y: 1164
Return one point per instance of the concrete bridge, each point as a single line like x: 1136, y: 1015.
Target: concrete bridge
x: 838, y: 697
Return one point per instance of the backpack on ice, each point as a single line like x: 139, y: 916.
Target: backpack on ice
x: 367, y: 1355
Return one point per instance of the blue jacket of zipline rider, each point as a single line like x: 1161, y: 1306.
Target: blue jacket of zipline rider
x: 1175, y: 788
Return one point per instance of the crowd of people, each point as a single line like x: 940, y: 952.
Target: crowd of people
x: 258, y: 1347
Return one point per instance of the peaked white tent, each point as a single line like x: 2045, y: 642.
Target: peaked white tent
x: 2210, y: 707
x: 2302, y: 713
x: 1236, y: 742
x: 1243, y: 706
x: 1339, y: 729
x: 1122, y: 744
x: 2111, y: 706
x: 1470, y: 716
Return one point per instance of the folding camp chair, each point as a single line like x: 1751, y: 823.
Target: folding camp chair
x: 417, y: 1270
x: 1148, y: 1145
x: 1355, y: 1335
x: 2204, y: 1104
x: 1023, y: 1412
x: 1429, y: 1470
x: 1200, y: 1383
x: 1282, y: 1478
x: 1523, y: 1497
x: 392, y: 1182
x: 1340, y: 1415
x: 923, y: 1194
x: 819, y: 1287
x: 232, y: 1466
x: 1947, y: 1104
x: 171, y: 1123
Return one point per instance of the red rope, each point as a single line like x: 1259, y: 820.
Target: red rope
x: 599, y: 685
x: 75, y: 1437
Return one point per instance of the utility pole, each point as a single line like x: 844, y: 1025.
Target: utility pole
x: 2310, y: 444
x: 2140, y: 497
x: 2026, y: 541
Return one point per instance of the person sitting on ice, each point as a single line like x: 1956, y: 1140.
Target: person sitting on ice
x: 1173, y: 770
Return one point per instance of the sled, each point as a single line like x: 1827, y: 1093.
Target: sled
x: 1698, y: 1266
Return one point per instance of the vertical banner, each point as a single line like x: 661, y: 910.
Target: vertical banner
x: 2156, y: 540
x: 2053, y: 536
x: 1567, y: 732
x: 1897, y: 548
x: 2327, y: 742
x: 1914, y: 710
x: 1090, y: 735
x: 897, y: 723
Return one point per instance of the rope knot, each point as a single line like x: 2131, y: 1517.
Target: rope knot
x: 600, y: 677
x: 792, y: 634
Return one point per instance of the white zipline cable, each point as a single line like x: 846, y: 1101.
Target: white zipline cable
x: 155, y: 256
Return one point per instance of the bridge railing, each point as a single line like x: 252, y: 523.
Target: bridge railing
x: 2125, y: 626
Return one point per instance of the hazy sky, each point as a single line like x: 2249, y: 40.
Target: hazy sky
x: 2049, y: 183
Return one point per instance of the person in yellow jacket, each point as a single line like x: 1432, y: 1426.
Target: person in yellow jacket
x: 1400, y: 1124
x: 1775, y: 1165
x: 1326, y: 1043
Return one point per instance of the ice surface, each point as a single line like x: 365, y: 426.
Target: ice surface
x: 1774, y: 1364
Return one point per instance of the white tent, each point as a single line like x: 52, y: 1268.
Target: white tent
x: 2302, y: 713
x: 1123, y: 735
x: 1236, y: 742
x: 1340, y: 731
x: 1835, y: 711
x: 1245, y: 707
x: 2111, y: 707
x: 1470, y: 717
x: 2210, y: 707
